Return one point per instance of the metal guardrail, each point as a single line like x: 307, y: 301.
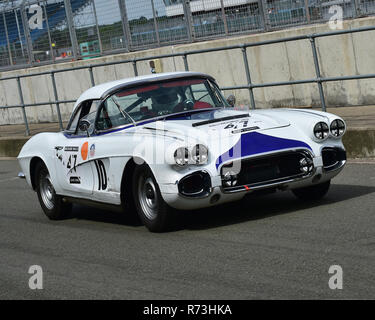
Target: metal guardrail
x: 250, y: 86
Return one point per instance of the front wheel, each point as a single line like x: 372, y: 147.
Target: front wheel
x: 51, y: 203
x: 314, y: 192
x: 155, y: 214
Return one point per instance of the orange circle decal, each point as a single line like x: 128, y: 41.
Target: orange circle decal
x: 84, y: 150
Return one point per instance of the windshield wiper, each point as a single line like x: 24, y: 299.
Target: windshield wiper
x: 188, y: 112
x: 123, y: 112
x: 202, y: 123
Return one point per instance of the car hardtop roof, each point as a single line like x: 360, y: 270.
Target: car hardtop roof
x: 102, y: 90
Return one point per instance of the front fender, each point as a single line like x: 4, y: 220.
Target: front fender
x: 39, y: 146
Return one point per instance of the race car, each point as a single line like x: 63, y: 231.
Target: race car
x: 159, y: 144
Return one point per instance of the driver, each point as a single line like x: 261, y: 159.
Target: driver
x: 164, y: 100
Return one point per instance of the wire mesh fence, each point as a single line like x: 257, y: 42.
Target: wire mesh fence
x: 35, y: 32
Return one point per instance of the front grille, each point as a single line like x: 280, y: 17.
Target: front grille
x: 333, y: 158
x: 269, y: 169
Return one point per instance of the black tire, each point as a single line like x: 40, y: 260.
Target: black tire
x: 129, y: 212
x: 51, y: 203
x: 315, y: 192
x: 153, y: 211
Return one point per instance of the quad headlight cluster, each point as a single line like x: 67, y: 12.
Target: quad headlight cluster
x: 197, y: 155
x: 322, y: 130
x: 337, y: 128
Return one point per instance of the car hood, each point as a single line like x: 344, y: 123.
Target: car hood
x: 227, y: 122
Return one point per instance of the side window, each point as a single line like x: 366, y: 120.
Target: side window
x: 111, y: 116
x: 86, y: 110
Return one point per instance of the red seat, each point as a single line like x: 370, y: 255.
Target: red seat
x: 201, y: 105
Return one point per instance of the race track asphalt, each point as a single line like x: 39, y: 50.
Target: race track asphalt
x: 272, y: 246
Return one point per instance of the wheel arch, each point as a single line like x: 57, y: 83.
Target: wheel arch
x: 33, y: 164
x: 126, y: 188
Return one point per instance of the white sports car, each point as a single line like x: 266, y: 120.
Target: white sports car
x: 162, y: 143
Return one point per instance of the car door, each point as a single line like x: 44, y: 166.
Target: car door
x: 73, y: 166
x: 104, y: 165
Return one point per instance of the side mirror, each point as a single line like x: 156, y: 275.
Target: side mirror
x: 84, y: 125
x: 231, y: 100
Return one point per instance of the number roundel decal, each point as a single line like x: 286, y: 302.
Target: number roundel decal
x: 84, y: 150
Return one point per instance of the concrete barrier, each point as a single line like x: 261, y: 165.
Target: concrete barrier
x: 347, y: 54
x: 11, y: 147
x: 360, y: 143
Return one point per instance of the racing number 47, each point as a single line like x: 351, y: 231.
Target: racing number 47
x: 69, y: 165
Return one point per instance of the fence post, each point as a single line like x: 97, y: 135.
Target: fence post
x: 97, y: 26
x: 248, y: 77
x: 264, y: 14
x: 155, y: 23
x: 48, y: 31
x: 317, y: 72
x: 307, y: 12
x: 188, y: 18
x: 7, y: 37
x: 23, y: 106
x: 135, y: 68
x: 56, y: 100
x: 91, y: 76
x: 125, y: 24
x: 26, y: 30
x: 72, y: 31
x: 357, y: 8
x: 224, y: 17
x: 186, y: 65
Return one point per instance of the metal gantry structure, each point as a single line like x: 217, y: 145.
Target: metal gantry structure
x: 37, y: 32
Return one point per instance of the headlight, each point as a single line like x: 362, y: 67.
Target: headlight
x: 321, y: 130
x: 337, y: 128
x: 181, y: 156
x: 199, y: 154
x: 229, y: 179
x: 228, y: 175
x: 306, y: 165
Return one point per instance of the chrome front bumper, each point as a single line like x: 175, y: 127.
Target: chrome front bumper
x: 215, y: 194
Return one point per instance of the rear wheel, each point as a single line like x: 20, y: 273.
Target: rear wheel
x: 153, y: 211
x: 314, y: 192
x: 51, y: 203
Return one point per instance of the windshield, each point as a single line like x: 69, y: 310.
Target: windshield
x: 157, y: 100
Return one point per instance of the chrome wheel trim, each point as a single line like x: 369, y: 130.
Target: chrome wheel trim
x: 47, y: 191
x: 148, y: 197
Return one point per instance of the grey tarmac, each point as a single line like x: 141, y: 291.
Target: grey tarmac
x: 268, y: 247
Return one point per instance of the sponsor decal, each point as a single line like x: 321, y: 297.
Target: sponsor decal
x: 58, y: 155
x: 92, y: 150
x: 75, y: 180
x: 84, y: 150
x: 71, y: 149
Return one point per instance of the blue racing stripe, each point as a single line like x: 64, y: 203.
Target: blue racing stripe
x: 255, y: 143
